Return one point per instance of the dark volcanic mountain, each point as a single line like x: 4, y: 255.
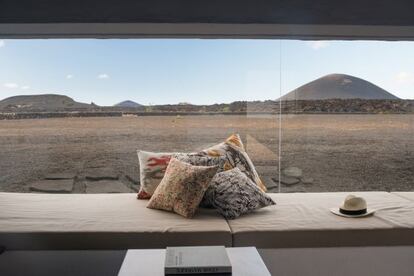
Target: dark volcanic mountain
x: 45, y: 102
x: 128, y: 104
x: 339, y: 86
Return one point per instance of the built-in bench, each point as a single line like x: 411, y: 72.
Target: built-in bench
x: 406, y: 195
x: 100, y: 221
x: 304, y: 220
x: 120, y: 221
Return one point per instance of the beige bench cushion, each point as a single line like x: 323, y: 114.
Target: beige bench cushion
x: 304, y: 220
x: 406, y: 195
x: 101, y: 221
x: 116, y: 221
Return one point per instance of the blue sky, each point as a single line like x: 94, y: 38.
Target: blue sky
x: 156, y: 71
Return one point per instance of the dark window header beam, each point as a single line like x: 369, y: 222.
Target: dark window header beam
x: 302, y: 19
x: 226, y: 31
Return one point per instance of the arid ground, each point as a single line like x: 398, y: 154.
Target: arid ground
x: 319, y: 152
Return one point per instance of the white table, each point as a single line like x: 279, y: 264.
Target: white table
x: 245, y: 261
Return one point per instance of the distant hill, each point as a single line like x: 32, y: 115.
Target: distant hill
x: 45, y: 102
x: 128, y: 104
x: 339, y: 86
x: 335, y: 93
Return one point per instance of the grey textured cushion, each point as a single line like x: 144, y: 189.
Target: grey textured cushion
x: 233, y: 194
x: 200, y: 159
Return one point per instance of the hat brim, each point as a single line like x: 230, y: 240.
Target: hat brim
x: 368, y: 213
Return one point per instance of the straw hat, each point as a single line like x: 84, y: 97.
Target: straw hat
x: 353, y: 207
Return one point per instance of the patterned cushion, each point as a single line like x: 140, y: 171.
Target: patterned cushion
x: 201, y: 159
x: 226, y: 155
x: 233, y: 149
x: 182, y: 188
x: 233, y: 194
x: 152, y: 167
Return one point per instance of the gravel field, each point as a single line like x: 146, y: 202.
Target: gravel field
x: 319, y: 152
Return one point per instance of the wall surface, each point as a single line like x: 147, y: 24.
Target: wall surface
x: 326, y: 19
x: 332, y: 12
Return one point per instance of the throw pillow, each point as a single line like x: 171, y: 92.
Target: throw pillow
x: 233, y: 149
x: 182, y: 188
x: 201, y: 159
x: 153, y: 165
x: 233, y: 194
x: 227, y: 155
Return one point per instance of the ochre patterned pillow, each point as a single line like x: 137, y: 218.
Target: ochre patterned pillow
x: 233, y: 149
x: 233, y: 194
x: 182, y: 188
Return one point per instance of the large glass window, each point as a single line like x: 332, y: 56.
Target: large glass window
x: 314, y: 116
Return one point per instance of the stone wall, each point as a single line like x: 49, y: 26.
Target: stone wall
x: 334, y: 106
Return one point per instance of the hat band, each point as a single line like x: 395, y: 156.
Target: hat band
x: 354, y: 213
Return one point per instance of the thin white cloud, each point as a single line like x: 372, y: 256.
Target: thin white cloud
x: 404, y: 78
x: 69, y: 77
x: 103, y: 76
x: 2, y: 43
x: 13, y: 85
x: 319, y: 44
x: 10, y: 85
